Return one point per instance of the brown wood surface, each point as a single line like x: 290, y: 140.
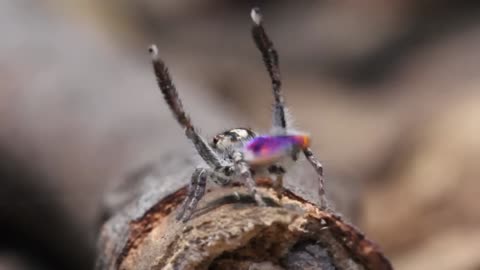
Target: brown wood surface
x: 228, y: 231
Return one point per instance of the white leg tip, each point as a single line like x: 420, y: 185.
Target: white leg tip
x: 256, y: 16
x: 153, y: 50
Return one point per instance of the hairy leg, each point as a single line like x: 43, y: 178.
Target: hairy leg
x: 187, y: 207
x: 243, y: 170
x: 197, y: 188
x: 199, y: 192
x: 278, y: 171
x: 175, y: 104
x: 278, y: 185
x: 270, y: 58
x: 319, y: 169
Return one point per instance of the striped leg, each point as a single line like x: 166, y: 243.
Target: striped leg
x: 194, y: 190
x: 319, y: 169
x: 197, y: 188
x: 270, y: 59
x: 243, y: 170
x: 173, y: 100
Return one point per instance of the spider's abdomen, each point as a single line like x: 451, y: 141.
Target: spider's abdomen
x: 268, y: 149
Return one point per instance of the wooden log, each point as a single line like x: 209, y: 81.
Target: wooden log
x: 228, y: 230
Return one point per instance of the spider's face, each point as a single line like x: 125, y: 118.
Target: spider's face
x: 232, y: 138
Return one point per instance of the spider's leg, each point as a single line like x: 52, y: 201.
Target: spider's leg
x: 243, y: 170
x: 278, y: 186
x: 195, y: 193
x: 173, y: 100
x: 191, y: 191
x: 270, y: 58
x: 197, y: 188
x: 278, y: 171
x: 319, y: 169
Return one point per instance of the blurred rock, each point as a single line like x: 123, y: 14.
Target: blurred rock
x: 77, y: 115
x: 429, y: 197
x: 12, y: 261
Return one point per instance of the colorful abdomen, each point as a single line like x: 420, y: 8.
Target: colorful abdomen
x: 267, y: 149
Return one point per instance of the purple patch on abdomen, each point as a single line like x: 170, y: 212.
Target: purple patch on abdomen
x: 264, y: 149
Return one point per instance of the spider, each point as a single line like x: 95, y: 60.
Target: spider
x: 239, y: 153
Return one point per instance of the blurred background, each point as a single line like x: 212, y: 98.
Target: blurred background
x: 388, y: 90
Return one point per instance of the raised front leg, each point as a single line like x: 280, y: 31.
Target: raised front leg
x: 270, y: 58
x: 174, y: 102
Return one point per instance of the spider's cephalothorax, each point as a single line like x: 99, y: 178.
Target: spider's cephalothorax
x: 232, y: 138
x: 240, y: 154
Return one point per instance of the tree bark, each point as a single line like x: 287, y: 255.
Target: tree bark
x: 228, y: 230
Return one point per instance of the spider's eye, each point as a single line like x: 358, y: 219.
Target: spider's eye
x: 238, y: 134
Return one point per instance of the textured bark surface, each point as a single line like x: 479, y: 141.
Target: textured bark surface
x: 228, y: 231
